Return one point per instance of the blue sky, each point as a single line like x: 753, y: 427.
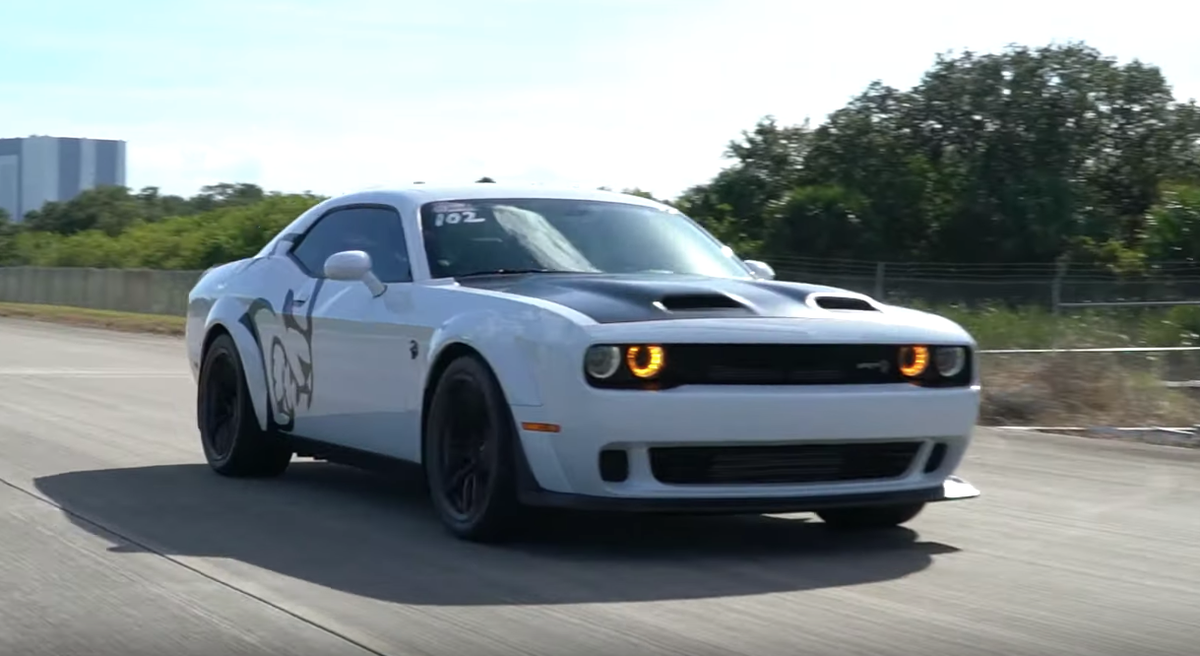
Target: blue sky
x: 338, y: 96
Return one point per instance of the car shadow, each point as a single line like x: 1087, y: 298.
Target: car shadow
x: 376, y: 536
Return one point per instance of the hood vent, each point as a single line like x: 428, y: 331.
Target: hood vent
x: 696, y: 302
x: 844, y: 303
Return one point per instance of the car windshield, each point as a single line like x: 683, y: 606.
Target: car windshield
x: 465, y: 237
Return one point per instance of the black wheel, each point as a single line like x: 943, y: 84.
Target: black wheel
x: 234, y: 444
x: 870, y: 517
x: 468, y: 454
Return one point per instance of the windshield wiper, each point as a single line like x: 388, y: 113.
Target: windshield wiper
x: 509, y: 272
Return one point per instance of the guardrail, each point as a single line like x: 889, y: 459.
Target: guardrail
x: 145, y: 291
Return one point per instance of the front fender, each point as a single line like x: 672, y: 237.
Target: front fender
x: 520, y: 346
x: 236, y: 317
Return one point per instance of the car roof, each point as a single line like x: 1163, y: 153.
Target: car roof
x: 421, y: 193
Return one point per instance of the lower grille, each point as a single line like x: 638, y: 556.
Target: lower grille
x: 783, y: 364
x: 793, y: 463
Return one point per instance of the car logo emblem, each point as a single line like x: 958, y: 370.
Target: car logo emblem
x: 881, y: 366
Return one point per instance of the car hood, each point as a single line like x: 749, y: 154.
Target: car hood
x: 612, y: 298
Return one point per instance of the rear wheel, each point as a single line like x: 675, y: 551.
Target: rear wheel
x: 870, y: 517
x: 234, y: 444
x: 468, y: 454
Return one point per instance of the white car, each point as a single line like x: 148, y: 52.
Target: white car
x: 573, y: 349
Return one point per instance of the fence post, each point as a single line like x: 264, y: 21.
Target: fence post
x: 1060, y: 272
x: 880, y: 269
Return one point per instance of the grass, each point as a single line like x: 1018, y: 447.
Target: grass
x: 1086, y: 389
x: 86, y: 317
x: 996, y: 327
x: 1061, y: 389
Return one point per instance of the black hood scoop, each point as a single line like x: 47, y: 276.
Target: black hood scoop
x: 616, y: 298
x: 699, y: 302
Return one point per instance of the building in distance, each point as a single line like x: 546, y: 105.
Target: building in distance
x: 38, y: 169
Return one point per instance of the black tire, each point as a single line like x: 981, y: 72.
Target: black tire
x: 865, y: 518
x: 468, y: 454
x: 234, y: 444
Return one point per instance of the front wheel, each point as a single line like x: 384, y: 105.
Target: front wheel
x: 870, y: 517
x: 234, y: 444
x: 468, y: 454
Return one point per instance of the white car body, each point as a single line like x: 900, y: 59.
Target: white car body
x: 346, y: 373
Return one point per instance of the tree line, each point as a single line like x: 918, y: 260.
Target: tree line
x: 1032, y: 154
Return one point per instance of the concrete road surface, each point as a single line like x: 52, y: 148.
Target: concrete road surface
x: 115, y: 538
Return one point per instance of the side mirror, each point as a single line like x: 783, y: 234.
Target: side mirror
x: 761, y: 269
x: 350, y: 266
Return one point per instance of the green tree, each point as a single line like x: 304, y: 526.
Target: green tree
x: 195, y: 241
x: 767, y: 163
x: 1030, y: 154
x: 1010, y: 156
x: 108, y: 209
x: 225, y: 194
x: 1172, y: 230
x: 8, y: 232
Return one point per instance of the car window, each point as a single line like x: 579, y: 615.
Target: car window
x: 376, y: 230
x: 471, y: 236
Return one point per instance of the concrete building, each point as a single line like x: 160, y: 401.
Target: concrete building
x: 35, y: 170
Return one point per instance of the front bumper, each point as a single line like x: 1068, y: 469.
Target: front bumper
x: 952, y: 489
x: 563, y: 468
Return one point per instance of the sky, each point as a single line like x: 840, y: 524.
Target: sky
x: 337, y: 96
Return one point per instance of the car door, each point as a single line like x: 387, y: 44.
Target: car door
x: 360, y: 378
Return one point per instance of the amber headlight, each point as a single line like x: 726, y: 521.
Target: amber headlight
x: 914, y: 360
x: 645, y: 361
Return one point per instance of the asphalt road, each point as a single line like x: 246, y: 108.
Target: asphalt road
x: 115, y: 538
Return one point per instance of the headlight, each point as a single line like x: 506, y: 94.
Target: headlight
x: 645, y: 361
x: 950, y: 360
x: 602, y: 361
x: 633, y: 366
x: 914, y: 360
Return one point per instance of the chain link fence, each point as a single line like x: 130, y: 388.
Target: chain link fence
x: 1063, y: 346
x: 1078, y: 348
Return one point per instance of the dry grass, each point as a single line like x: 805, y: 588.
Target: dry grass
x: 72, y: 316
x: 1088, y: 389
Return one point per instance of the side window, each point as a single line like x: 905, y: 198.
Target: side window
x: 376, y: 230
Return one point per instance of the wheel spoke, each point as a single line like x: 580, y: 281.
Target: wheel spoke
x: 469, y: 493
x: 223, y: 437
x: 458, y: 475
x: 478, y: 489
x: 466, y: 446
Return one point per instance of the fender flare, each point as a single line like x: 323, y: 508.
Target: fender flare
x: 506, y: 345
x: 234, y: 318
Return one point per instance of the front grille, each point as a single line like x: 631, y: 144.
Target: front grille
x: 793, y: 463
x: 782, y: 364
